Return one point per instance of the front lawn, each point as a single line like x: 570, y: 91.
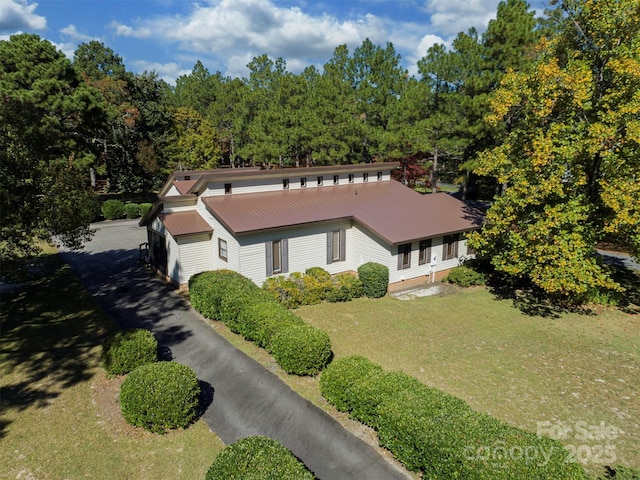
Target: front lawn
x: 60, y: 416
x: 575, y: 371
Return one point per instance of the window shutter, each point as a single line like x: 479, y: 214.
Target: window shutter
x: 343, y: 245
x: 329, y: 248
x: 400, y: 251
x: 445, y: 242
x: 269, y: 256
x: 284, y: 245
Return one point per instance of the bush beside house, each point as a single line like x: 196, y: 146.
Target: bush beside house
x: 248, y: 310
x: 437, y: 434
x: 257, y: 458
x: 374, y: 278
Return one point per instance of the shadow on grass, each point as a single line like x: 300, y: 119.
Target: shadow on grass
x: 51, y: 326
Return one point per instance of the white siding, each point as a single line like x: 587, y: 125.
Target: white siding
x: 233, y: 248
x: 307, y: 248
x: 173, y: 191
x: 196, y: 255
x: 173, y: 259
x: 168, y: 208
x: 271, y: 184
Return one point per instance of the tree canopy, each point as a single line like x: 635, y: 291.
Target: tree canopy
x: 46, y: 117
x: 571, y: 156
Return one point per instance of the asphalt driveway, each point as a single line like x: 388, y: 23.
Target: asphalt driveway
x: 244, y: 398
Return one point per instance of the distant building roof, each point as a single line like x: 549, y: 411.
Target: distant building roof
x: 394, y: 212
x: 185, y: 223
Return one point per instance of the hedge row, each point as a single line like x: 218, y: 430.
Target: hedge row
x: 317, y: 285
x: 257, y: 458
x: 116, y: 209
x: 437, y: 434
x: 248, y: 310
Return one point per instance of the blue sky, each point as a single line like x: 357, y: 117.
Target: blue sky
x: 169, y: 36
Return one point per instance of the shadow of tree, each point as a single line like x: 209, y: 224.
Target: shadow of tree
x: 51, y: 326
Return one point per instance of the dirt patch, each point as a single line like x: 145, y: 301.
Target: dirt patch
x: 105, y: 396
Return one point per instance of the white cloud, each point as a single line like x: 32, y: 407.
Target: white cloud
x: 169, y: 72
x: 16, y: 15
x: 243, y: 29
x: 449, y: 17
x: 72, y: 33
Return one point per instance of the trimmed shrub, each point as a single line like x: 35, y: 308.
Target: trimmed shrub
x: 257, y: 458
x: 132, y: 210
x: 438, y: 434
x: 207, y: 290
x: 301, y: 349
x: 144, y: 208
x: 160, y: 396
x: 259, y: 321
x: 346, y: 287
x: 113, y: 209
x: 129, y: 349
x: 464, y: 276
x: 315, y: 288
x: 374, y: 278
x: 338, y: 381
x: 286, y: 290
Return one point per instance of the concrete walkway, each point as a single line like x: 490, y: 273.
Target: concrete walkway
x: 244, y: 398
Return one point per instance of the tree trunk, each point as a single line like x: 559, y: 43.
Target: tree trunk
x: 434, y: 169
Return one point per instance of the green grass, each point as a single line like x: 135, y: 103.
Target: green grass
x: 519, y: 368
x: 60, y: 416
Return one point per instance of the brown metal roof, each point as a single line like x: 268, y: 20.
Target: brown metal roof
x: 184, y: 186
x: 394, y: 212
x: 185, y: 223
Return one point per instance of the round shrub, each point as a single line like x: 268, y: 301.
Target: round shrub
x: 144, y: 208
x: 128, y: 350
x: 160, y: 396
x: 113, y: 209
x: 132, y: 210
x: 374, y: 278
x: 464, y: 276
x: 257, y: 458
x: 301, y: 349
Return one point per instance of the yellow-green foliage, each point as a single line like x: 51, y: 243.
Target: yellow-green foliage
x: 572, y: 155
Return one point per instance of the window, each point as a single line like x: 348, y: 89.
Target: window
x: 277, y: 254
x: 404, y: 256
x: 450, y: 247
x: 351, y: 177
x: 336, y: 179
x: 222, y: 249
x: 365, y: 177
x: 336, y: 243
x: 320, y: 180
x: 425, y: 252
x: 379, y: 175
x: 303, y: 182
x: 187, y: 177
x: 470, y: 251
x: 285, y: 183
x: 227, y: 188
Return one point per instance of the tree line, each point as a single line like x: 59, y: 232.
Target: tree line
x: 545, y: 107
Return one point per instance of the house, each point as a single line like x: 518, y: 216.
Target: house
x: 271, y: 222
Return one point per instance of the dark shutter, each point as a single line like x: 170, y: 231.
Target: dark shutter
x: 343, y: 245
x: 284, y: 246
x: 329, y: 248
x: 400, y: 252
x: 269, y: 256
